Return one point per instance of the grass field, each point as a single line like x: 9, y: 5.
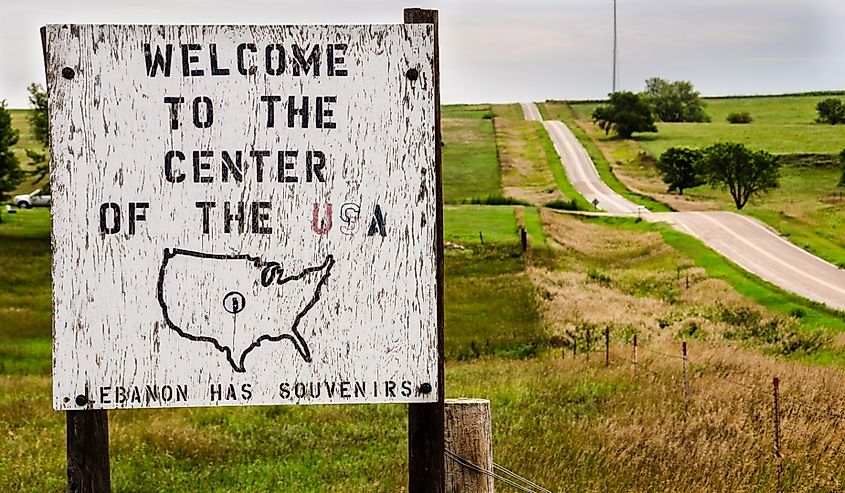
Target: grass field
x: 782, y: 125
x: 530, y: 166
x: 470, y: 165
x: 569, y: 424
x: 808, y: 206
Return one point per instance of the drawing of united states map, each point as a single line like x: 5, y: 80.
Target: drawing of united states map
x: 242, y: 300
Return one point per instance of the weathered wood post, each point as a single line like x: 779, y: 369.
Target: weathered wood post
x: 776, y: 416
x: 686, y: 378
x: 426, y: 422
x: 607, y: 346
x: 636, y: 358
x: 88, y: 451
x: 469, y: 436
x: 523, y: 236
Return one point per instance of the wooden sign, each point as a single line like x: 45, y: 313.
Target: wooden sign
x: 243, y: 215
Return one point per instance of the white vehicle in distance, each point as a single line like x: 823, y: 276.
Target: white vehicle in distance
x: 36, y: 198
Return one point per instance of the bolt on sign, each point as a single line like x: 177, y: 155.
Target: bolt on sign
x: 243, y: 215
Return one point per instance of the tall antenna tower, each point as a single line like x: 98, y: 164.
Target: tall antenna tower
x: 615, y: 65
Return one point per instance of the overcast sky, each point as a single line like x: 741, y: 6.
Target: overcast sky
x: 502, y: 51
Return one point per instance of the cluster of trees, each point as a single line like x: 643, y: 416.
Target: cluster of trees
x: 830, y: 111
x: 628, y: 112
x: 744, y: 172
x: 11, y: 173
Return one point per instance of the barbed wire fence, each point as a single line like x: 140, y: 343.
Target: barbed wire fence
x: 794, y: 403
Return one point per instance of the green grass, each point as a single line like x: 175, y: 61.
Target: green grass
x: 25, y: 302
x: 562, y: 112
x: 816, y: 316
x: 470, y: 164
x: 782, y: 125
x: 462, y: 224
x: 534, y: 227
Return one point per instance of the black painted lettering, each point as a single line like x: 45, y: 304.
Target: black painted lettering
x: 271, y: 109
x: 284, y: 390
x: 406, y: 388
x: 167, y: 393
x: 344, y: 390
x: 174, y: 102
x: 168, y: 167
x: 242, y: 68
x: 120, y: 395
x: 228, y: 217
x: 235, y: 167
x: 299, y: 390
x: 216, y: 392
x: 279, y: 67
x: 287, y: 160
x: 206, y: 211
x: 389, y: 388
x: 200, y: 166
x: 137, y: 212
x: 259, y: 163
x: 315, y: 163
x: 360, y: 389
x: 209, y: 112
x: 259, y: 217
x: 230, y: 393
x: 105, y: 398
x: 215, y: 68
x: 182, y: 392
x: 306, y: 64
x: 293, y: 111
x: 151, y: 393
x: 333, y: 61
x: 188, y: 59
x: 377, y: 224
x: 246, y: 391
x: 158, y: 62
x: 322, y: 117
x: 136, y: 394
x: 115, y: 218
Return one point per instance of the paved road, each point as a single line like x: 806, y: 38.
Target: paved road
x: 746, y: 241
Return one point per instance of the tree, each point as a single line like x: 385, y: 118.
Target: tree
x: 675, y: 101
x: 680, y: 168
x: 625, y: 113
x: 11, y: 173
x: 830, y: 111
x: 38, y: 124
x: 739, y: 169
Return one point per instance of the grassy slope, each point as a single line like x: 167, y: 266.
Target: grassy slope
x: 470, y: 167
x: 562, y: 112
x: 531, y: 167
x: 782, y: 125
x: 808, y: 205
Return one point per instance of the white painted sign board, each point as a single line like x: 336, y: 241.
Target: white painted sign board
x: 242, y: 215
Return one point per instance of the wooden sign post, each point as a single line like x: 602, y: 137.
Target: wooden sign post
x: 246, y: 215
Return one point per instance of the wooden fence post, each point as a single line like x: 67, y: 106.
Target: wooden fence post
x: 574, y: 345
x: 481, y: 237
x: 607, y: 346
x: 686, y: 378
x: 589, y: 342
x: 523, y: 238
x: 469, y: 436
x: 426, y: 453
x: 776, y: 413
x: 636, y: 360
x: 88, y: 451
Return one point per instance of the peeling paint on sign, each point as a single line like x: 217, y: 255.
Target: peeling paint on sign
x: 242, y: 215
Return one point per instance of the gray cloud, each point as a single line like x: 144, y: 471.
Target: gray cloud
x: 496, y: 50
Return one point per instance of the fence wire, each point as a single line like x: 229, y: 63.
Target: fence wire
x: 510, y: 482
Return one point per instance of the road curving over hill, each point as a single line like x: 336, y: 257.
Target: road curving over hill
x: 746, y: 241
